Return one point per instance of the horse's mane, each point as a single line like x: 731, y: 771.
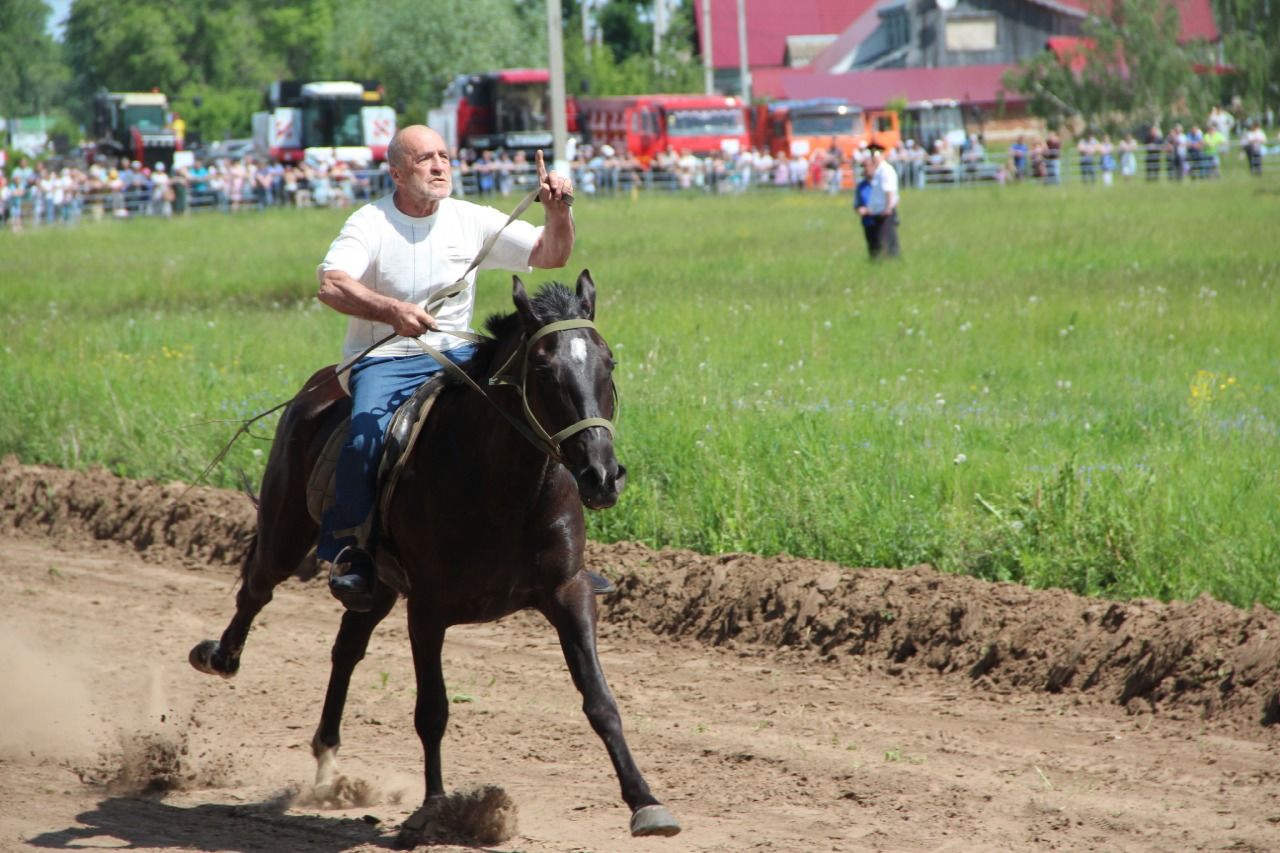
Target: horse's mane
x: 553, y: 301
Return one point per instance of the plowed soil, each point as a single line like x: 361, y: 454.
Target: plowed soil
x: 774, y: 704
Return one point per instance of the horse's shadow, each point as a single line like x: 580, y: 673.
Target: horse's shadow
x: 248, y: 828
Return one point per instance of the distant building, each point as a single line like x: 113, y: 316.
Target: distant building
x: 873, y: 52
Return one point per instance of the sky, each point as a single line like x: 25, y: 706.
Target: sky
x: 60, y: 10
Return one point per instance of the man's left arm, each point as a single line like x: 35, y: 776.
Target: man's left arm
x: 555, y: 242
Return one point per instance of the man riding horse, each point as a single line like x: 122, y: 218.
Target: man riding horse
x: 389, y: 259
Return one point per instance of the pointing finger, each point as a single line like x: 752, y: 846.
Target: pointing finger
x: 542, y: 167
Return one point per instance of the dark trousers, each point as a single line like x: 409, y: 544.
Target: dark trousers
x: 882, y: 236
x: 379, y: 385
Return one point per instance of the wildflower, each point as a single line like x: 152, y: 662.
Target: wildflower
x: 960, y: 459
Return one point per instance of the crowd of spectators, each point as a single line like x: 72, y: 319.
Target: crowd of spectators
x: 43, y: 193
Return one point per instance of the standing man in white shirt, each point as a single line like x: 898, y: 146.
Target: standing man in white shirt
x: 389, y: 258
x: 882, y: 240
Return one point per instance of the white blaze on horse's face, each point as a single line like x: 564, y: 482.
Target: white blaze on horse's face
x: 578, y: 351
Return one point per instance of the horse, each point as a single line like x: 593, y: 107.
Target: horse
x: 487, y: 519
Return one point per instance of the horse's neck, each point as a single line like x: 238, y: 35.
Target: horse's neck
x: 488, y: 440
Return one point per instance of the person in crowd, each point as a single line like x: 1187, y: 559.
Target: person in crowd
x: 6, y: 194
x: 1175, y: 153
x: 1018, y: 155
x: 1086, y: 150
x: 161, y: 192
x: 1154, y: 144
x: 1223, y: 122
x: 831, y: 166
x: 1214, y: 144
x: 371, y: 274
x: 882, y: 204
x: 1128, y: 157
x: 1195, y: 153
x: 1255, y: 146
x: 1107, y: 160
x: 1053, y: 157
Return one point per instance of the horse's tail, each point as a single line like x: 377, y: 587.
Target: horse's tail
x: 247, y: 487
x: 249, y: 553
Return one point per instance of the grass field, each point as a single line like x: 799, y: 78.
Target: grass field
x: 1062, y: 387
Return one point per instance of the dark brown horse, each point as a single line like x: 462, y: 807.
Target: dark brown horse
x: 483, y: 523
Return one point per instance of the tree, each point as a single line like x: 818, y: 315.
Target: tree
x: 416, y: 49
x: 32, y: 76
x: 1128, y: 67
x: 1251, y: 47
x: 631, y: 66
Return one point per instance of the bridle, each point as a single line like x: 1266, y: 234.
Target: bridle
x: 532, y: 429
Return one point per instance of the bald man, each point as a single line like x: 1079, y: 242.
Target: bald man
x: 391, y: 256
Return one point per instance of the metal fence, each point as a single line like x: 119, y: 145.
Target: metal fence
x: 1147, y: 164
x: 191, y: 197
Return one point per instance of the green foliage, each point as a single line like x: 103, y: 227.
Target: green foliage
x: 1251, y: 44
x: 622, y: 30
x: 223, y: 113
x: 1134, y: 70
x: 415, y: 50
x: 31, y: 77
x: 631, y: 66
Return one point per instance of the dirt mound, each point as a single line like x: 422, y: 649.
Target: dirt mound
x: 163, y: 520
x: 1202, y: 659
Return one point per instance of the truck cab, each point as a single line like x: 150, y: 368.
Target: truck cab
x: 134, y: 126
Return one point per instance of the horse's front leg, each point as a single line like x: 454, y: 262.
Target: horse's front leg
x: 349, y: 648
x: 430, y: 714
x: 573, y: 613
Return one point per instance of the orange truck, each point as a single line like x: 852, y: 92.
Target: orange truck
x: 647, y: 125
x: 798, y: 128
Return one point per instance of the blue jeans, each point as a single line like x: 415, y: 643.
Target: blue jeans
x: 379, y: 385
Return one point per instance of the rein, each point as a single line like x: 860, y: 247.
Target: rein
x: 532, y: 430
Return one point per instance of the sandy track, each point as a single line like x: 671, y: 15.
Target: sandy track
x: 806, y: 747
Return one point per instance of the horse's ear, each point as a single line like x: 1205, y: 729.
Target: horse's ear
x: 587, y: 294
x: 523, y: 306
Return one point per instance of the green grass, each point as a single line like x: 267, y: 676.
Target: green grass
x: 1060, y: 387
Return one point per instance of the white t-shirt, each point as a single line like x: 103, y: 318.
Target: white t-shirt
x: 410, y: 258
x: 883, y: 182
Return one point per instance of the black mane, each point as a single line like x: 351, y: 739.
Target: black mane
x: 553, y: 301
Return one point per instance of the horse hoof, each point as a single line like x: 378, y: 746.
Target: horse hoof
x: 201, y: 658
x: 654, y: 820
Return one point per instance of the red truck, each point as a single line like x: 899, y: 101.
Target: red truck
x: 508, y: 109
x: 646, y: 125
x: 791, y: 128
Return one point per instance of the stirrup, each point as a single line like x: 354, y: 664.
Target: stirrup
x: 352, y: 578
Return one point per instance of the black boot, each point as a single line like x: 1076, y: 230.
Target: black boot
x: 352, y: 577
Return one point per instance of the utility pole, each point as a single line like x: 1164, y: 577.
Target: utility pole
x: 659, y: 25
x: 559, y: 123
x: 744, y: 72
x: 708, y: 73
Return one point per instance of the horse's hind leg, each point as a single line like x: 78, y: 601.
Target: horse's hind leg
x: 268, y: 564
x: 573, y: 613
x: 348, y: 650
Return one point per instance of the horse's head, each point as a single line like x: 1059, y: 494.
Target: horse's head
x: 568, y: 385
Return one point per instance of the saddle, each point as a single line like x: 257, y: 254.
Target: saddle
x: 402, y: 434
